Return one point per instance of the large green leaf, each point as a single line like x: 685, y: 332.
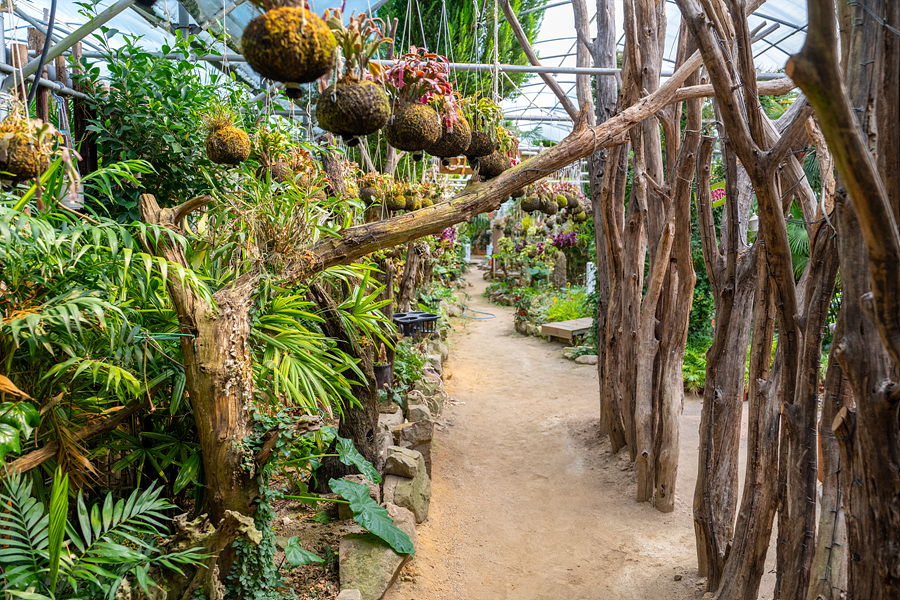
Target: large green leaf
x: 20, y: 415
x: 349, y: 455
x: 188, y: 473
x: 9, y: 440
x: 296, y: 556
x: 371, y: 516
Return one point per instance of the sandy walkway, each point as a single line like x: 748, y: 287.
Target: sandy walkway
x: 528, y: 502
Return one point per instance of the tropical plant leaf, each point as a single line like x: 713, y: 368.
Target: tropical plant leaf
x: 20, y: 415
x: 8, y: 387
x: 9, y: 440
x: 349, y: 455
x: 59, y: 508
x: 296, y: 556
x: 371, y: 516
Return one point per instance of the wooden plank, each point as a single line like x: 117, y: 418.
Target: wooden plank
x: 567, y: 329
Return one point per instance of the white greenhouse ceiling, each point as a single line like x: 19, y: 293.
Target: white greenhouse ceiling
x: 536, y: 106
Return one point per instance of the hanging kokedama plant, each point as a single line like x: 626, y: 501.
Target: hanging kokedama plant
x: 355, y: 105
x: 371, y: 188
x: 484, y: 118
x: 414, y: 81
x: 225, y: 143
x: 288, y: 43
x: 530, y: 203
x: 270, y: 148
x: 456, y: 135
x: 25, y: 146
x: 499, y: 160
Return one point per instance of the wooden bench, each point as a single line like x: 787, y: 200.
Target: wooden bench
x: 567, y: 330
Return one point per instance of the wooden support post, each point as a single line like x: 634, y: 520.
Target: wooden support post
x: 84, y: 140
x: 18, y: 58
x: 36, y: 43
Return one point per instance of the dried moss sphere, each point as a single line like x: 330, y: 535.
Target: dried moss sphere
x: 22, y: 160
x: 427, y: 202
x: 227, y: 145
x: 530, y: 203
x: 413, y: 127
x: 580, y: 217
x: 352, y: 108
x: 289, y: 44
x: 492, y: 165
x: 369, y: 195
x: 279, y: 172
x: 519, y: 193
x: 396, y: 202
x: 453, y: 141
x: 480, y: 145
x: 548, y: 206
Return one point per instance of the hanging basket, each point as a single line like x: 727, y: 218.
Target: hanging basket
x: 413, y: 127
x: 353, y: 108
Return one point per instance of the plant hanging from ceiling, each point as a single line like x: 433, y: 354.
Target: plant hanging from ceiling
x: 288, y: 43
x: 417, y: 82
x: 484, y: 116
x: 456, y: 134
x: 225, y: 143
x: 25, y: 145
x: 355, y: 105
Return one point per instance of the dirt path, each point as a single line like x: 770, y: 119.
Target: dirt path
x: 528, y: 503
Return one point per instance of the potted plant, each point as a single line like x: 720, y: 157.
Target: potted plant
x: 355, y: 105
x: 456, y: 135
x: 288, y: 43
x: 225, y: 143
x: 484, y: 116
x: 416, y: 83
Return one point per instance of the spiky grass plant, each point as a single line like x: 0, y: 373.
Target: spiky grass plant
x: 225, y: 143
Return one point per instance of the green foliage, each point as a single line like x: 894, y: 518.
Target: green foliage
x: 568, y: 305
x: 408, y: 362
x: 153, y: 111
x: 694, y: 369
x: 297, y: 556
x: 368, y: 514
x: 465, y: 34
x: 105, y: 543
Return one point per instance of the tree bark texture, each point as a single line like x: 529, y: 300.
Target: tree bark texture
x: 869, y: 246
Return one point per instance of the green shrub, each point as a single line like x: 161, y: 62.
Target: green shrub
x: 567, y: 306
x: 408, y: 363
x: 694, y: 369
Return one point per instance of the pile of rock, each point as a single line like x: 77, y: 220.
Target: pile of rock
x: 368, y: 566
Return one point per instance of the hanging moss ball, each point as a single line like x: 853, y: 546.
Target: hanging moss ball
x: 453, y: 140
x: 279, y: 171
x: 561, y: 201
x: 413, y: 202
x: 519, y: 193
x: 530, y: 203
x: 369, y: 195
x: 481, y: 144
x: 580, y: 217
x: 549, y: 206
x: 413, y: 127
x: 396, y: 202
x: 571, y: 200
x: 353, y: 108
x: 227, y: 145
x: 427, y: 202
x: 22, y: 158
x: 492, y: 165
x: 289, y: 44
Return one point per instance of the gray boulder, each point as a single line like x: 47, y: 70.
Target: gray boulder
x: 368, y: 564
x: 410, y: 493
x: 439, y: 347
x: 416, y: 436
x: 587, y: 359
x: 391, y: 420
x: 418, y: 412
x: 402, y: 462
x: 350, y: 595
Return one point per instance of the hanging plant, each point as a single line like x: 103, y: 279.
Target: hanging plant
x: 25, y: 145
x: 288, y: 43
x: 417, y: 82
x: 355, y: 105
x: 308, y: 174
x: 530, y: 203
x: 225, y: 143
x: 270, y: 148
x: 371, y: 187
x: 484, y: 117
x: 456, y: 135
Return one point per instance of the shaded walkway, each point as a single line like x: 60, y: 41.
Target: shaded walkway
x: 528, y: 503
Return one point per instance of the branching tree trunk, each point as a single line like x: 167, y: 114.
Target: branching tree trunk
x: 869, y: 351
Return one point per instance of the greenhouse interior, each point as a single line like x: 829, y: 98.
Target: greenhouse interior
x: 450, y: 300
